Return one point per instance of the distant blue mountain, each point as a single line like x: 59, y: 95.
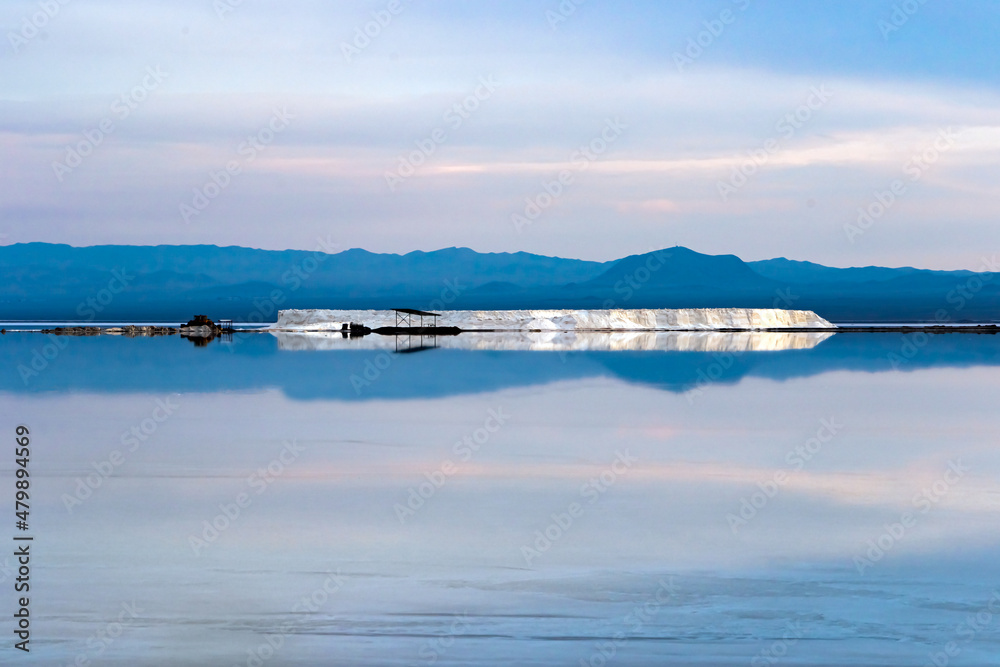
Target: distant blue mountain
x: 681, y: 267
x: 788, y: 270
x: 171, y: 283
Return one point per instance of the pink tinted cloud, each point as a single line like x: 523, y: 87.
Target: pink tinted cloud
x: 648, y: 206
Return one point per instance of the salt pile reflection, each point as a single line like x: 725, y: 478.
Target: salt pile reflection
x: 546, y: 341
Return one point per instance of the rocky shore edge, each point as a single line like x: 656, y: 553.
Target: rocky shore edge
x: 129, y: 331
x: 199, y: 327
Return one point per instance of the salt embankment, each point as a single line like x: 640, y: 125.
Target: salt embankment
x: 684, y: 319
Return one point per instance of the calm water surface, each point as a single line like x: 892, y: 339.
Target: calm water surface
x: 273, y: 501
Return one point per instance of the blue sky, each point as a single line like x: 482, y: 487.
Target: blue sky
x: 827, y: 108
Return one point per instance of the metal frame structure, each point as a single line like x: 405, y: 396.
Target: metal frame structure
x: 404, y: 315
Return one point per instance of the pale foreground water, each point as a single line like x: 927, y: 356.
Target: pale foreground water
x: 830, y: 504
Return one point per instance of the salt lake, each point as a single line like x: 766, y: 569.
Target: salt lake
x: 793, y: 499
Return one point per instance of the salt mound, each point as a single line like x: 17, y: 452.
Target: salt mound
x: 687, y: 319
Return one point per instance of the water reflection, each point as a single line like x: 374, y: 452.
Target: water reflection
x: 564, y: 341
x: 491, y: 507
x: 315, y: 366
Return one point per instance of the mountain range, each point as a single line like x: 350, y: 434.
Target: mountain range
x: 116, y: 283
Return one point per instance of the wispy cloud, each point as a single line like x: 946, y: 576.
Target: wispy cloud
x: 687, y: 131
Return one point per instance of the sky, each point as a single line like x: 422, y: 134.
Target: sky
x: 848, y: 133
